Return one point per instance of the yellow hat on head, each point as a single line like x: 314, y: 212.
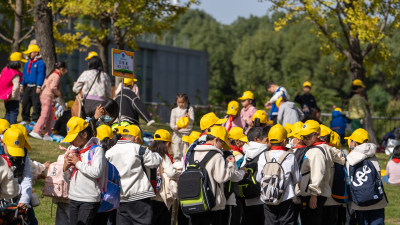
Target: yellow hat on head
x: 335, y: 140
x: 247, y: 95
x: 4, y: 125
x: 338, y: 109
x: 104, y: 131
x: 325, y: 131
x: 309, y: 127
x: 277, y: 134
x: 119, y: 129
x: 192, y: 137
x: 32, y: 48
x: 237, y: 133
x: 70, y: 104
x: 307, y: 84
x: 360, y: 136
x: 262, y: 115
x: 25, y: 132
x: 91, y: 55
x: 278, y: 102
x: 17, y: 56
x: 129, y: 81
x: 233, y: 108
x: 15, y: 141
x: 182, y: 122
x: 288, y: 127
x: 296, y: 127
x: 220, y: 132
x: 74, y: 126
x: 132, y: 130
x: 211, y: 119
x: 162, y: 135
x: 358, y: 82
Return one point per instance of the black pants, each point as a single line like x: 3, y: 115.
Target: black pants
x: 82, y: 213
x: 331, y: 215
x: 161, y: 214
x: 312, y: 216
x: 296, y: 212
x: 30, y: 99
x: 101, y: 218
x: 210, y: 218
x: 136, y: 212
x: 282, y: 214
x: 182, y: 218
x: 12, y: 109
x: 255, y: 215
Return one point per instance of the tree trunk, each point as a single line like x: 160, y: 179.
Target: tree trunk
x: 102, y: 44
x: 17, y: 25
x: 44, y: 33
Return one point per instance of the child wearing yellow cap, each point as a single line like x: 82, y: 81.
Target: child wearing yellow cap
x: 357, y: 105
x: 307, y: 101
x: 181, y: 122
x: 363, y: 163
x: 234, y: 120
x: 49, y: 92
x: 260, y: 119
x: 10, y: 80
x: 248, y: 107
x: 133, y: 162
x: 129, y: 83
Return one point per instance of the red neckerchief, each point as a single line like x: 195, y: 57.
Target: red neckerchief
x: 300, y: 146
x: 237, y: 149
x: 319, y: 143
x: 79, y: 156
x: 278, y: 148
x: 396, y: 160
x: 206, y: 144
x: 123, y: 139
x: 30, y: 64
x: 230, y: 121
x: 203, y: 134
x: 7, y: 159
x: 170, y: 158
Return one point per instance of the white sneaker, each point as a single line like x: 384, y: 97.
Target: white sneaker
x: 47, y: 138
x: 23, y: 123
x: 35, y: 135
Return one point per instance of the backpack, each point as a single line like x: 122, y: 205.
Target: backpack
x: 365, y: 185
x: 109, y: 187
x: 339, y: 185
x: 194, y: 187
x: 273, y: 182
x: 249, y: 187
x: 154, y: 179
x: 54, y: 183
x: 302, y: 160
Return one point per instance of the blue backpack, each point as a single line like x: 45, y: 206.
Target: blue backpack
x: 110, y: 187
x: 339, y: 186
x: 365, y: 185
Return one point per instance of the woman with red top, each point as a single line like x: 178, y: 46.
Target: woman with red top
x: 50, y: 91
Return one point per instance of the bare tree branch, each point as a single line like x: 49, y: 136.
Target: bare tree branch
x: 27, y: 35
x: 342, y: 25
x: 5, y: 38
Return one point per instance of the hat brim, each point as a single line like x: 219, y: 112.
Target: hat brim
x: 221, y: 121
x: 70, y: 137
x: 226, y: 146
x: 27, y: 145
x: 232, y: 112
x: 306, y: 132
x: 16, y: 152
x: 26, y: 52
x: 185, y: 139
x: 244, y: 139
x: 24, y: 60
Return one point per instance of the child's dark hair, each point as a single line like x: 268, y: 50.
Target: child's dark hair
x: 57, y: 65
x: 269, y: 84
x: 253, y: 102
x: 159, y: 147
x: 257, y: 123
x: 95, y: 63
x: 185, y: 98
x: 15, y: 65
x: 326, y: 138
x: 258, y: 132
x: 210, y: 137
x: 396, y: 152
x: 90, y: 131
x: 19, y: 163
x: 111, y: 107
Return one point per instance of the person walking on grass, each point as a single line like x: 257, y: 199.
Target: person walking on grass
x: 50, y: 91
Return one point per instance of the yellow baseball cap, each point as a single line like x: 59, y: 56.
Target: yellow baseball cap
x: 260, y: 114
x: 192, y: 137
x: 233, y: 108
x: 104, y: 131
x: 237, y: 133
x: 277, y: 134
x: 325, y: 131
x: 74, y: 126
x: 358, y: 82
x: 309, y: 127
x: 4, y: 125
x: 132, y: 130
x: 182, y: 122
x: 70, y: 104
x: 360, y: 135
x: 162, y: 135
x: 15, y: 141
x: 278, y: 102
x: 288, y: 127
x: 220, y: 132
x: 307, y: 84
x: 210, y: 119
x: 32, y: 48
x: 91, y: 55
x: 335, y: 140
x: 296, y: 127
x: 25, y: 133
x: 17, y: 56
x: 129, y: 81
x: 338, y: 109
x: 119, y: 129
x: 247, y: 95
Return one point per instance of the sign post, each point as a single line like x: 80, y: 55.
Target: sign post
x: 122, y: 66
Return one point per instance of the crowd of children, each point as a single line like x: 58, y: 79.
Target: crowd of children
x: 241, y: 169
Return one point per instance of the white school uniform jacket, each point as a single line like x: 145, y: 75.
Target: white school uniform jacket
x: 135, y: 185
x: 84, y: 184
x: 8, y: 184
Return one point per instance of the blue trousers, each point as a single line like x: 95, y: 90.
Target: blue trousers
x: 12, y: 110
x: 371, y: 217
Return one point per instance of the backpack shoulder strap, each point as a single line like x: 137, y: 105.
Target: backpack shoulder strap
x: 207, y: 157
x: 283, y: 157
x: 142, y: 150
x: 267, y: 157
x: 320, y: 148
x: 257, y: 156
x: 91, y: 152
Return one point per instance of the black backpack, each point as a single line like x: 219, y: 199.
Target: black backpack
x: 194, y: 187
x: 249, y: 187
x: 229, y: 186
